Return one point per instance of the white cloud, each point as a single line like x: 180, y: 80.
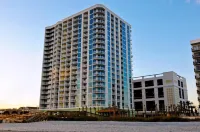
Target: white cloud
x: 187, y: 1
x: 196, y: 1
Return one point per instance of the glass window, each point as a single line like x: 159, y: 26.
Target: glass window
x: 91, y: 11
x: 91, y: 21
x: 79, y: 54
x: 90, y: 67
x: 90, y: 62
x: 90, y: 51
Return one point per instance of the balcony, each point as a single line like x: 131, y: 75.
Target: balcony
x: 75, y: 30
x: 46, y: 79
x: 99, y: 58
x: 99, y: 85
x: 47, y: 49
x: 99, y: 68
x: 84, y: 76
x: 75, y: 48
x: 197, y: 77
x: 100, y: 27
x: 98, y: 91
x: 74, y: 73
x: 99, y: 80
x: 43, y: 97
x: 84, y: 92
x: 99, y: 36
x: 84, y: 60
x: 49, y: 31
x: 72, y: 94
x: 196, y: 63
x: 99, y: 11
x: 198, y: 91
x: 72, y: 100
x: 73, y: 83
x: 99, y: 41
x: 83, y: 99
x: 99, y: 31
x: 73, y: 88
x: 98, y: 98
x: 85, y: 50
x: 47, y: 65
x: 44, y: 83
x: 195, y: 56
x: 195, y: 50
x: 98, y: 74
x: 73, y: 78
x: 99, y: 16
x: 99, y: 63
x: 47, y: 53
x: 99, y: 21
x: 66, y: 90
x: 85, y: 20
x: 99, y: 47
x: 74, y: 63
x: 196, y: 70
x: 49, y: 40
x: 84, y: 87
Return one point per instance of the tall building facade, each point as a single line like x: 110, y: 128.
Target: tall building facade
x: 196, y: 62
x: 159, y: 91
x: 87, y: 61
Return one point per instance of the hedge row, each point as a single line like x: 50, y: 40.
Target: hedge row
x: 130, y: 119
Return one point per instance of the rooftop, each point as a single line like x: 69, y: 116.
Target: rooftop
x: 94, y: 6
x: 156, y: 75
x: 195, y: 41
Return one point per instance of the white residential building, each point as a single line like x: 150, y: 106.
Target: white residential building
x: 196, y: 62
x: 159, y: 90
x: 87, y: 61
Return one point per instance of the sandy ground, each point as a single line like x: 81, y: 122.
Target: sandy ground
x: 73, y: 126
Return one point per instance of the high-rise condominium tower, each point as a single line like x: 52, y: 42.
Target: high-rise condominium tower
x: 87, y: 61
x: 196, y: 61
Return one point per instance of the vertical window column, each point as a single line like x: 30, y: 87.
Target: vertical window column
x: 79, y: 60
x: 109, y: 62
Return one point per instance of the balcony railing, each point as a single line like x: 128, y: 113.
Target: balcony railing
x: 98, y: 91
x: 98, y: 98
x: 198, y: 91
x: 196, y: 70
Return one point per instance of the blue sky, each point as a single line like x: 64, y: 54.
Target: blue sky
x: 161, y: 34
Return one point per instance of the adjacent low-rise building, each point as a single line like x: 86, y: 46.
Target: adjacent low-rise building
x: 159, y: 91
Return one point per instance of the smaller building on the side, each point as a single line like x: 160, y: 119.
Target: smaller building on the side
x: 159, y: 91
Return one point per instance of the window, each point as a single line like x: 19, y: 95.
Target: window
x: 137, y: 94
x: 178, y: 82
x: 149, y: 93
x: 150, y: 105
x: 138, y: 106
x: 180, y: 93
x: 149, y: 83
x: 183, y: 94
x: 182, y: 84
x: 161, y: 105
x: 159, y: 82
x: 160, y: 93
x: 137, y: 84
